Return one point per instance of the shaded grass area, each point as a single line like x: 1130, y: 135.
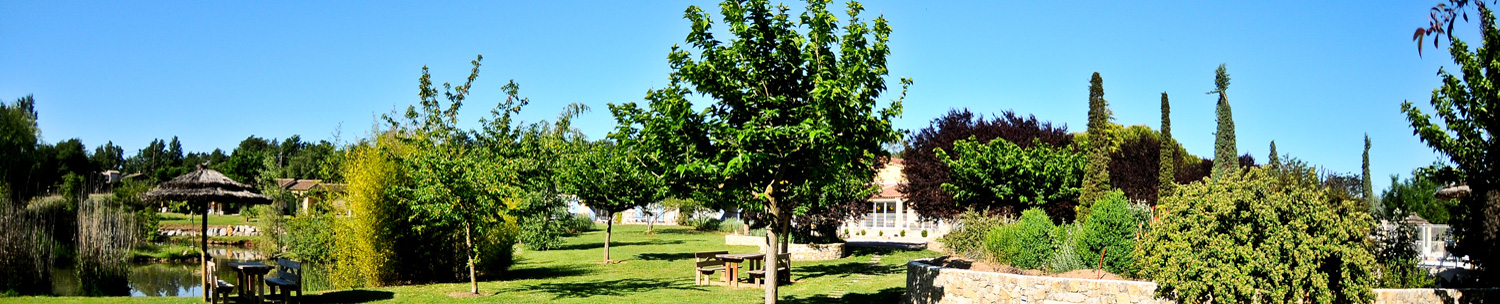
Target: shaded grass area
x: 655, y: 268
x: 164, y: 252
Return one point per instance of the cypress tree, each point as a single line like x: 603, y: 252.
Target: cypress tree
x: 1368, y: 187
x: 1100, y: 136
x: 1275, y: 160
x: 1166, y: 168
x: 1226, y: 160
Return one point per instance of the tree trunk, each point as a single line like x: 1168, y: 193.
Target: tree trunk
x: 207, y: 275
x: 609, y: 229
x: 469, y: 241
x: 772, y: 251
x: 786, y: 235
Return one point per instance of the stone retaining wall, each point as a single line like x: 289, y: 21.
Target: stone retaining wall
x: 1435, y: 295
x: 799, y: 252
x: 927, y: 284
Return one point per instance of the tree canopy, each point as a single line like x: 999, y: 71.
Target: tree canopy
x: 795, y: 104
x: 1466, y: 104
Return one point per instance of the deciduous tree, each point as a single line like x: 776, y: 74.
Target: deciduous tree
x: 926, y: 173
x: 794, y: 106
x: 610, y: 179
x: 1466, y: 104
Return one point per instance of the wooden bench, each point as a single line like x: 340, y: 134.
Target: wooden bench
x: 221, y: 289
x: 706, y: 263
x: 783, y: 270
x: 288, y: 279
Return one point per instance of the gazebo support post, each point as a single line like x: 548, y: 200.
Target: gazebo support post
x: 204, y: 258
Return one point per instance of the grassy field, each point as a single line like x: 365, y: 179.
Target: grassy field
x: 655, y: 268
x: 193, y: 220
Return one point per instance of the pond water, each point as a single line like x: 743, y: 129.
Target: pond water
x: 177, y: 279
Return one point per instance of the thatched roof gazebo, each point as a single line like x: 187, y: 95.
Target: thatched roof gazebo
x: 1452, y: 192
x: 199, y: 188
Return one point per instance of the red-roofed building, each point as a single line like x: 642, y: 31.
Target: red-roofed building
x: 889, y: 217
x: 309, y: 191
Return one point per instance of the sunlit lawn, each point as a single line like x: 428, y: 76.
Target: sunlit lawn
x: 195, y: 220
x: 656, y: 269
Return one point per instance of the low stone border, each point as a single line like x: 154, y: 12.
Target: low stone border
x: 931, y: 284
x: 926, y: 284
x: 799, y: 252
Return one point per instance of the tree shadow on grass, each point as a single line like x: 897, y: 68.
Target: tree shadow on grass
x: 600, y: 245
x: 844, y: 270
x: 545, y: 272
x: 350, y: 296
x: 620, y: 287
x: 888, y: 295
x: 679, y: 231
x: 654, y: 256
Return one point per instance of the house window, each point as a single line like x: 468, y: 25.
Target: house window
x: 882, y: 215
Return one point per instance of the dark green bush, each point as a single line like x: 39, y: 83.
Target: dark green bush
x: 704, y: 223
x: 1025, y: 243
x: 578, y: 223
x: 1112, y: 229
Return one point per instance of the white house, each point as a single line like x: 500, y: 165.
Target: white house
x: 889, y: 218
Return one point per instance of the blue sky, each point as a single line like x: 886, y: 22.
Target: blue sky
x: 1313, y: 77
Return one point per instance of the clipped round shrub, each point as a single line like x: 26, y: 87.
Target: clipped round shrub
x: 1025, y: 243
x: 903, y: 233
x: 924, y: 232
x: 1111, y: 229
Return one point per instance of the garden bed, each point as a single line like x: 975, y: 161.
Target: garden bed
x: 983, y: 266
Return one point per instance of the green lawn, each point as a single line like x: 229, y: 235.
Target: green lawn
x: 656, y: 269
x: 194, y: 220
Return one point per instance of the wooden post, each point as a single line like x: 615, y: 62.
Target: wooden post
x: 1101, y: 261
x: 207, y: 285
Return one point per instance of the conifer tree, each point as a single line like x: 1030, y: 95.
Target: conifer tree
x: 1226, y: 159
x: 1368, y: 187
x: 1275, y: 160
x: 1166, y: 172
x: 1100, y: 139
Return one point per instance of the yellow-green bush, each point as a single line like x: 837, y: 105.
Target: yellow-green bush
x: 1266, y: 236
x: 363, y: 249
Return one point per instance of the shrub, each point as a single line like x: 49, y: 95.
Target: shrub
x: 1025, y: 243
x: 903, y: 233
x: 997, y: 241
x: 1064, y: 247
x: 924, y: 233
x: 966, y: 239
x: 1111, y: 229
x: 881, y: 233
x: 1397, y: 255
x: 578, y: 223
x: 731, y: 225
x: 1267, y: 235
x: 542, y: 220
x: 705, y: 224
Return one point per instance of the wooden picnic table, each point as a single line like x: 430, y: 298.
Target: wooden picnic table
x: 250, y: 274
x: 732, y: 264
